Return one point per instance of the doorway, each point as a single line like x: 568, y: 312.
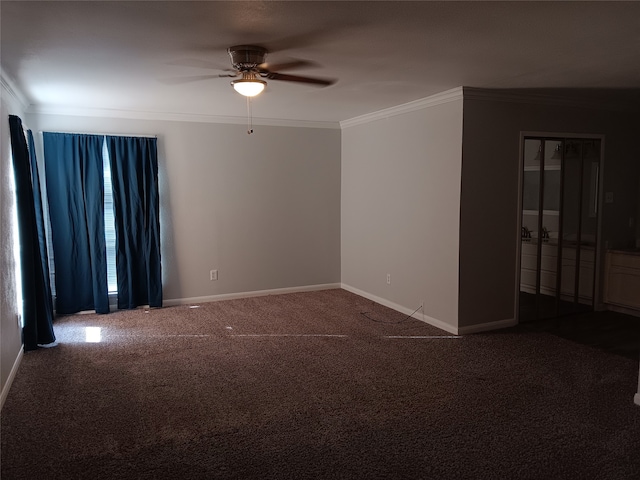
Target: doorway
x: 559, y: 226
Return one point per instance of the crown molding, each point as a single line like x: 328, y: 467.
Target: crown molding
x: 558, y: 100
x: 431, y: 101
x: 176, y: 117
x: 10, y: 87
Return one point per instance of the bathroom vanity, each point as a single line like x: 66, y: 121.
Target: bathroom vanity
x: 622, y: 280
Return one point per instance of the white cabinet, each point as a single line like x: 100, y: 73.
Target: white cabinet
x: 549, y: 269
x: 622, y: 279
x: 586, y: 273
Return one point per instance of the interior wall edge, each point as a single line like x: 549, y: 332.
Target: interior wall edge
x: 434, y: 322
x: 256, y: 293
x: 14, y: 370
x: 488, y: 326
x: 10, y: 330
x: 447, y: 96
x: 10, y: 87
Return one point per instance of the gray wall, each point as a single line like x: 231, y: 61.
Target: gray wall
x: 10, y: 334
x: 400, y: 210
x: 489, y: 199
x: 262, y: 209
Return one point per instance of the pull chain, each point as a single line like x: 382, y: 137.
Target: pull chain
x: 249, y: 117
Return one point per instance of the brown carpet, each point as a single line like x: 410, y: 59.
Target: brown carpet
x: 302, y: 386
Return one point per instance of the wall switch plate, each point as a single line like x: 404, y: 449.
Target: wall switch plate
x: 388, y: 279
x: 213, y: 275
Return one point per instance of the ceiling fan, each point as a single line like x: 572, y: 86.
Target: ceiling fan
x: 248, y: 63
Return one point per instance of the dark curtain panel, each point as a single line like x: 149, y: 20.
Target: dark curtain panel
x: 37, y: 308
x: 134, y: 176
x: 75, y: 189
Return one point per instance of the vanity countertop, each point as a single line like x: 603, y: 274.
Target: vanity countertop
x: 626, y: 251
x: 554, y: 242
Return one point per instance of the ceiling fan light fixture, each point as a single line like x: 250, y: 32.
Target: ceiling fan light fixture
x: 249, y: 87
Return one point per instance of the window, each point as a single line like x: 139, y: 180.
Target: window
x: 109, y: 222
x: 16, y: 245
x: 90, y: 202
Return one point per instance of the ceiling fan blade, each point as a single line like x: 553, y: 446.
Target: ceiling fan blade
x: 197, y: 63
x: 195, y: 78
x: 293, y: 64
x: 296, y: 78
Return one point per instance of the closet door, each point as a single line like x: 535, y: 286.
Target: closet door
x: 559, y: 226
x: 534, y: 282
x: 579, y: 224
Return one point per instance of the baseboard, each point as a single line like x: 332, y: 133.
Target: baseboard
x: 256, y: 293
x: 636, y: 398
x: 625, y: 310
x: 485, y: 327
x: 12, y: 375
x: 399, y: 308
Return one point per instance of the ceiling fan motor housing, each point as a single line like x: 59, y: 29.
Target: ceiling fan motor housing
x: 246, y: 57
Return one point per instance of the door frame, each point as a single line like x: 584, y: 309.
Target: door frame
x: 599, y: 253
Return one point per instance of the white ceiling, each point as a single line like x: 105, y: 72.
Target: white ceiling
x: 118, y: 56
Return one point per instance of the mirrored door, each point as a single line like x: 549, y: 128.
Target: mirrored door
x: 559, y: 226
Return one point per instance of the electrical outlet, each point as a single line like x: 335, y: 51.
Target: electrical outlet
x: 213, y: 275
x: 388, y: 279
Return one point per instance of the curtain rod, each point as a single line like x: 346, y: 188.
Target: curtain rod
x: 144, y: 135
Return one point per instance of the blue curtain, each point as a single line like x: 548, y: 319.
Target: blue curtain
x: 75, y: 189
x: 37, y: 307
x: 134, y: 177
